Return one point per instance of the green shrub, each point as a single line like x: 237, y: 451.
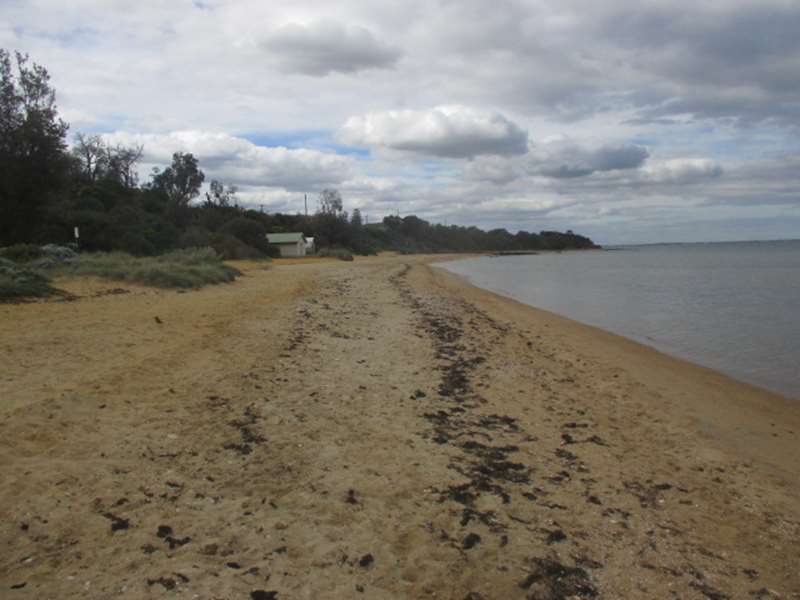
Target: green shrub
x: 340, y: 253
x: 18, y: 282
x: 21, y: 252
x: 187, y: 268
x: 195, y: 237
x: 248, y: 231
x: 231, y: 248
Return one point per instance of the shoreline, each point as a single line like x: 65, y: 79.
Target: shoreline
x: 380, y: 427
x: 659, y: 367
x: 643, y: 341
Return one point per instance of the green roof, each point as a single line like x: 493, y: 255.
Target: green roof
x: 285, y: 238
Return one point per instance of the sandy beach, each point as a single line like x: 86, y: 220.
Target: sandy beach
x: 376, y: 429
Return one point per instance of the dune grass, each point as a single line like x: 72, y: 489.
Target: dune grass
x: 18, y: 282
x: 187, y: 268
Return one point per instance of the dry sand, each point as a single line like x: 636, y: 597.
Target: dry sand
x: 376, y: 429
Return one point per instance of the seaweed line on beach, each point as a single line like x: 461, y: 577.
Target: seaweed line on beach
x: 487, y: 466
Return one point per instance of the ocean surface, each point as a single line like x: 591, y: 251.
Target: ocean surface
x: 734, y: 307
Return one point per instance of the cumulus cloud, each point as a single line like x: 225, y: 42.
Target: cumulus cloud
x: 682, y: 170
x: 324, y: 47
x: 446, y: 131
x: 567, y: 158
x: 560, y: 159
x: 238, y: 161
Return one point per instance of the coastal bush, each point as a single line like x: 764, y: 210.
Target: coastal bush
x: 21, y: 252
x: 232, y: 248
x: 17, y: 282
x: 339, y: 253
x: 187, y: 268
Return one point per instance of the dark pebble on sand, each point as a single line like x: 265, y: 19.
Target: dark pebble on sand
x: 262, y: 595
x: 472, y: 540
x: 366, y: 560
x: 556, y: 536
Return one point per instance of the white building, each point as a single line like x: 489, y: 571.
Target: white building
x: 290, y: 244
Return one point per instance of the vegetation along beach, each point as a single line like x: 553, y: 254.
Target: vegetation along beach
x: 399, y: 300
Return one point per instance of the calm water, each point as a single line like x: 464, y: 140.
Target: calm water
x: 734, y: 307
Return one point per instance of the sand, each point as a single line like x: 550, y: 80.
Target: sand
x: 376, y: 429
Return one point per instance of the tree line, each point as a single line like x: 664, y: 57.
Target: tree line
x: 48, y: 188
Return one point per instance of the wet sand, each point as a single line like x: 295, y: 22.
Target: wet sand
x: 376, y: 429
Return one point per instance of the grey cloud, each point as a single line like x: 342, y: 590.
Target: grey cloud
x: 564, y: 160
x: 326, y: 47
x: 735, y: 61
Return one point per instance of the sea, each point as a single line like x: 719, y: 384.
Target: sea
x: 732, y: 306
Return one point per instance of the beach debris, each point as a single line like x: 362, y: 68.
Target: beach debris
x: 117, y: 523
x: 263, y: 595
x: 472, y: 540
x: 551, y: 580
x: 166, y: 582
x: 709, y: 592
x: 165, y: 533
x: 556, y: 536
x: 366, y: 560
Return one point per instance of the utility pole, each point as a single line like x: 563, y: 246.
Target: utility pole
x: 305, y: 201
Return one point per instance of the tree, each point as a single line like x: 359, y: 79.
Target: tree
x: 121, y: 164
x: 181, y: 181
x: 90, y: 151
x: 101, y: 161
x: 179, y: 184
x: 330, y: 202
x: 330, y: 223
x: 355, y: 219
x: 218, y: 195
x: 34, y: 164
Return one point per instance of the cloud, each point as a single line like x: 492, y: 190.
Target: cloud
x: 558, y: 159
x: 325, y: 47
x: 682, y: 170
x: 446, y: 131
x: 499, y: 170
x: 567, y: 158
x: 237, y: 161
x: 707, y: 89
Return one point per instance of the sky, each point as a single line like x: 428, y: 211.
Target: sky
x: 628, y: 121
